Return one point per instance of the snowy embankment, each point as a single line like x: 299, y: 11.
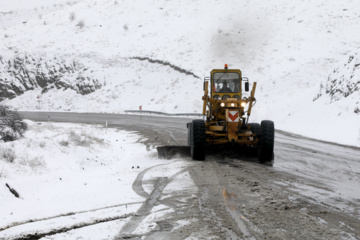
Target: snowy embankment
x: 70, y: 176
x: 288, y: 48
x: 332, y: 112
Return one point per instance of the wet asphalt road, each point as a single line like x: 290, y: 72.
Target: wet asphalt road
x: 310, y: 192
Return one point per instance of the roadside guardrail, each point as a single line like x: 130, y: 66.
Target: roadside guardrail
x: 163, y: 113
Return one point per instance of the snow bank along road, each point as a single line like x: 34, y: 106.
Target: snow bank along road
x: 310, y: 192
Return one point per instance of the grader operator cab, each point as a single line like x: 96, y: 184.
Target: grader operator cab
x: 227, y: 114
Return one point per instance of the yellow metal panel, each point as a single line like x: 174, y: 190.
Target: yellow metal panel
x: 252, y: 98
x: 205, y: 97
x: 216, y: 128
x: 225, y: 70
x: 232, y: 128
x: 216, y: 142
x: 216, y: 134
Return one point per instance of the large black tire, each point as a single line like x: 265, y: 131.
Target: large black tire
x: 266, y: 146
x: 189, y: 134
x: 255, y: 128
x: 198, y: 140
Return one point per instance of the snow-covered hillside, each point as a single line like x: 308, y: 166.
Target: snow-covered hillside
x: 26, y: 73
x: 343, y: 84
x: 291, y: 48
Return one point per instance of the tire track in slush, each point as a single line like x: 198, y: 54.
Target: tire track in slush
x: 152, y: 199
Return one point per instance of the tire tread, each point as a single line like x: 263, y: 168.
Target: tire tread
x: 198, y: 140
x: 266, y: 146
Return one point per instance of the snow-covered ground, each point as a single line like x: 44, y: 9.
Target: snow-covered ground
x: 303, y: 54
x: 291, y: 48
x: 70, y: 175
x: 88, y: 181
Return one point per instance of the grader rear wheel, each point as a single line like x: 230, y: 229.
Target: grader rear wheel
x: 189, y: 134
x: 198, y: 140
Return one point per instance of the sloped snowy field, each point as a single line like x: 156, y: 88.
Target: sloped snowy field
x: 70, y: 176
x: 289, y: 48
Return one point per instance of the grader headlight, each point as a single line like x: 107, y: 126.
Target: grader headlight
x: 222, y: 104
x: 232, y: 104
x: 243, y: 104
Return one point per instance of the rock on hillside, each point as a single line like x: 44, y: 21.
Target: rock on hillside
x: 24, y: 72
x: 343, y: 83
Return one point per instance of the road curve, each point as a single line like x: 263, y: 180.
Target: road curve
x: 310, y: 192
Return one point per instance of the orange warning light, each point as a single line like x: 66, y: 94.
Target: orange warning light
x: 226, y: 66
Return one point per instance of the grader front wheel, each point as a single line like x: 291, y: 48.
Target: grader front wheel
x: 255, y: 129
x: 266, y: 146
x: 197, y: 140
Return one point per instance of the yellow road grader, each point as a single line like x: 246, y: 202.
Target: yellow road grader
x: 227, y: 114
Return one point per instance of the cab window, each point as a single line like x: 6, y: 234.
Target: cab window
x: 226, y: 82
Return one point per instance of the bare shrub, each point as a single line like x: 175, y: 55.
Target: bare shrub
x: 36, y: 162
x: 12, y: 126
x: 84, y: 139
x: 3, y: 173
x: 42, y: 144
x: 80, y: 24
x: 79, y: 140
x: 357, y: 110
x: 64, y: 143
x: 8, y: 154
x: 72, y: 16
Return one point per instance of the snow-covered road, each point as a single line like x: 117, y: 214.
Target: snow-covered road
x: 309, y: 193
